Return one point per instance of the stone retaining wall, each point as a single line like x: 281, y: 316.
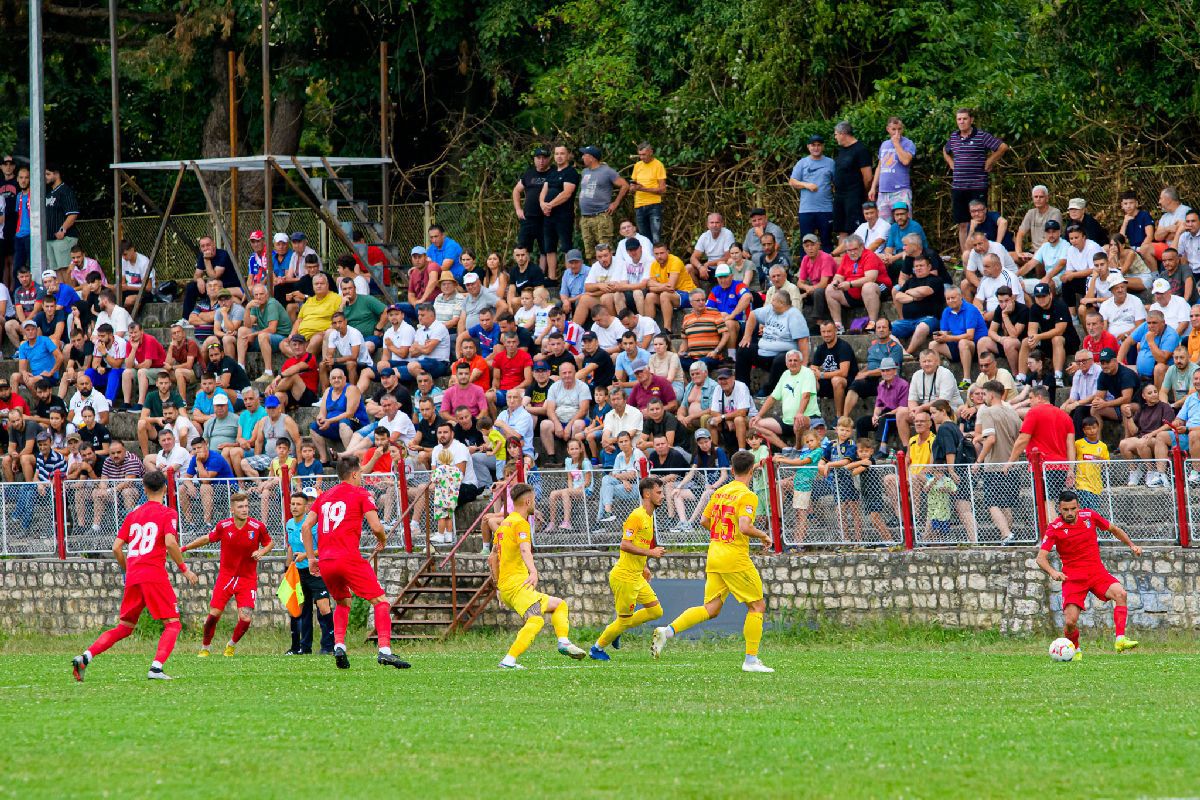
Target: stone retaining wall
x: 981, y: 589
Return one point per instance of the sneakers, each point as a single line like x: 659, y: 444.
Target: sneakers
x: 608, y: 516
x: 598, y: 654
x: 1078, y: 655
x: 1123, y: 643
x: 1135, y: 477
x: 1155, y: 479
x: 755, y: 666
x: 391, y: 660
x: 513, y: 665
x: 340, y: 658
x: 658, y: 641
x: 571, y: 651
x: 80, y: 663
x: 292, y: 653
x: 203, y: 653
x: 486, y: 550
x: 229, y: 651
x: 156, y: 674
x: 1008, y: 540
x: 964, y: 384
x: 841, y: 329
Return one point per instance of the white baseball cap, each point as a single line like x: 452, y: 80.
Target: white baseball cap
x: 1160, y: 285
x: 280, y: 237
x: 470, y: 278
x: 220, y: 400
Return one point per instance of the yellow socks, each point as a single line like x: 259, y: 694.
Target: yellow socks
x: 752, y: 630
x: 614, y: 629
x: 525, y: 636
x: 643, y: 616
x: 693, y: 616
x: 559, y: 620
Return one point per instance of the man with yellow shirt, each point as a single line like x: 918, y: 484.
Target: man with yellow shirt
x: 729, y: 515
x: 630, y: 578
x: 670, y: 284
x: 649, y: 184
x: 316, y: 315
x: 516, y: 578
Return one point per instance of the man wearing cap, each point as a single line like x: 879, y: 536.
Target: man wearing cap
x: 891, y: 183
x: 526, y: 200
x: 1050, y: 259
x: 601, y: 285
x: 269, y: 326
x: 891, y: 394
x: 1115, y: 388
x: 67, y: 297
x: 574, y: 282
x: 796, y: 395
x: 62, y: 211
x: 1175, y: 309
x: 476, y: 298
x: 711, y: 250
x: 256, y: 263
x: 1122, y: 312
x: 817, y: 269
x: 38, y: 357
x: 596, y: 202
x: 285, y: 266
x: 1077, y: 214
x: 448, y: 305
x: 731, y: 412
x: 1033, y: 225
x: 221, y: 432
x: 638, y: 261
x: 813, y: 178
x: 732, y: 299
x: 903, y: 225
x: 557, y: 202
x: 648, y: 183
x: 266, y: 432
x: 648, y: 385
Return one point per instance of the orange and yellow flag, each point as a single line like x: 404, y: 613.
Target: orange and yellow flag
x: 290, y: 594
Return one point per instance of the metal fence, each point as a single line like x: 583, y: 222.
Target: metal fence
x: 840, y: 508
x: 1138, y: 495
x: 27, y: 519
x: 973, y: 503
x: 679, y: 521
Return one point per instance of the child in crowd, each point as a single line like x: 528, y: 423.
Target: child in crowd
x: 870, y: 486
x: 446, y: 479
x: 541, y: 311
x: 593, y: 429
x: 579, y: 483
x: 308, y: 468
x: 283, y: 458
x: 806, y: 460
x: 838, y: 456
x: 1089, y: 482
x: 758, y: 448
x: 939, y: 488
x: 494, y: 439
x: 525, y: 315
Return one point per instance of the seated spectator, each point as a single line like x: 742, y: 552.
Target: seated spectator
x: 298, y: 379
x: 1121, y: 312
x: 1007, y: 330
x: 631, y: 353
x: 621, y: 483
x: 732, y: 411
x: 835, y: 365
x: 1185, y: 430
x: 1187, y: 242
x: 1114, y: 397
x: 891, y: 394
x: 648, y: 385
x: 624, y: 417
x: 1037, y: 373
x: 512, y: 368
x: 709, y: 471
x: 1144, y: 440
x: 463, y: 393
x: 144, y: 362
x: 732, y: 299
x: 524, y: 274
x: 339, y: 414
x: 1129, y: 262
x: 1169, y: 224
x: 108, y: 362
x: 118, y: 485
x: 19, y: 457
x: 427, y: 389
x: 670, y: 286
x: 228, y: 319
x: 696, y: 397
x: 1081, y: 251
x: 920, y: 301
x: 1048, y: 261
x: 861, y: 281
x: 778, y: 282
x: 668, y: 463
x: 1050, y: 328
x: 1177, y: 275
x: 884, y: 345
x: 171, y: 454
x: 997, y: 427
x: 600, y: 286
x: 817, y: 269
x: 515, y: 422
x: 1177, y: 383
x: 666, y: 364
x: 39, y: 358
x: 990, y: 223
x: 706, y: 338
x: 873, y: 231
x: 783, y: 330
x: 960, y: 329
x: 365, y: 313
x: 51, y: 320
x: 231, y: 376
x: 607, y: 329
x: 636, y: 263
x: 422, y: 281
x: 1084, y: 383
x: 573, y: 286
x: 207, y: 469
x: 769, y: 258
x: 1175, y: 310
x: 902, y: 225
x: 316, y: 313
x: 448, y: 303
x: 711, y: 250
x: 1155, y: 342
x: 1033, y: 225
x: 1077, y: 214
x: 345, y: 349
x: 487, y: 333
x: 565, y: 409
x: 656, y: 422
x: 430, y: 350
x: 221, y: 432
x: 760, y: 226
x: 796, y: 395
x: 993, y: 279
x: 978, y: 247
x: 597, y: 365
x: 1097, y: 285
x: 932, y: 382
x: 912, y: 247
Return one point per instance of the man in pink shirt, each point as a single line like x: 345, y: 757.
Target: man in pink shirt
x: 817, y: 268
x: 146, y: 358
x: 462, y: 392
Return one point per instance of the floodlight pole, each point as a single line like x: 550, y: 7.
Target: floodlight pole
x: 267, y: 176
x: 114, y: 85
x: 37, y: 145
x: 233, y: 173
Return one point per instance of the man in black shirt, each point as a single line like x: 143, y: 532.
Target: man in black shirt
x: 1050, y: 325
x: 657, y: 422
x: 852, y: 176
x: 526, y: 198
x: 554, y: 353
x: 45, y: 401
x: 835, y: 366
x: 522, y: 274
x: 524, y: 336
x: 1010, y: 321
x: 598, y: 368
x: 667, y: 462
x: 427, y: 426
x: 231, y: 376
x: 1116, y: 380
x: 212, y: 262
x: 62, y: 209
x: 1077, y: 215
x: 8, y: 210
x: 558, y: 206
x: 920, y: 301
x: 18, y: 455
x: 903, y: 264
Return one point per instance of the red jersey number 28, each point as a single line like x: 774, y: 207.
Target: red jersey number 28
x: 332, y: 515
x: 142, y: 538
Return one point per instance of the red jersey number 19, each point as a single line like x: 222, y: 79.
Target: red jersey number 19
x: 332, y: 515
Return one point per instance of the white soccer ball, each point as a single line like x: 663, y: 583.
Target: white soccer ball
x: 1061, y: 649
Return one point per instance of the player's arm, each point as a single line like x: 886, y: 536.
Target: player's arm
x: 650, y: 552
x: 493, y: 563
x: 267, y: 544
x: 372, y: 520
x: 1123, y: 537
x: 1043, y: 561
x: 306, y: 537
x: 527, y: 557
x: 176, y: 555
x: 119, y: 552
x: 746, y: 526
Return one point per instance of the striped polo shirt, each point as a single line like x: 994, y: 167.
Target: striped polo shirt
x: 702, y: 331
x: 969, y: 156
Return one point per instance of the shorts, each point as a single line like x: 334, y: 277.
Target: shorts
x: 802, y: 499
x: 960, y: 202
x: 745, y: 585
x: 685, y: 298
x: 231, y: 587
x: 258, y: 463
x: 521, y: 598
x: 904, y: 328
x: 156, y: 596
x: 1075, y: 592
x: 314, y: 587
x: 350, y: 575
x: 1001, y: 490
x: 940, y: 527
x: 865, y: 387
x: 1056, y: 481
x: 276, y: 338
x: 628, y: 595
x: 886, y: 200
x: 873, y: 502
x: 1182, y: 442
x: 308, y: 398
x: 847, y: 211
x: 531, y: 232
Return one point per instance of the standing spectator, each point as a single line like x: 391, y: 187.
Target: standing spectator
x: 596, y: 201
x: 1144, y: 440
x: 971, y: 154
x: 62, y: 211
x: 835, y: 365
x: 948, y: 449
x: 997, y: 427
x: 8, y: 216
x: 445, y: 252
x: 891, y: 182
x: 884, y: 345
x: 817, y: 269
x: 1050, y: 430
x: 526, y: 200
x: 1033, y: 225
x: 931, y: 382
x: 649, y: 184
x: 852, y: 178
x: 712, y: 249
x: 731, y: 412
x: 760, y: 225
x: 422, y: 281
x: 1050, y: 327
x: 558, y: 205
x: 861, y: 281
x: 961, y: 327
x: 813, y: 177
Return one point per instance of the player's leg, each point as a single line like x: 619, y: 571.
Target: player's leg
x: 362, y: 581
x: 1116, y: 592
x: 562, y: 627
x: 166, y: 643
x: 534, y: 622
x: 715, y: 591
x: 131, y: 609
x: 245, y: 611
x: 1071, y: 622
x: 222, y: 592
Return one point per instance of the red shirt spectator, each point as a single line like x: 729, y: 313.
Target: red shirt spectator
x: 150, y: 349
x: 1048, y: 428
x: 10, y: 399
x: 512, y: 369
x: 852, y: 270
x: 1104, y: 340
x: 310, y: 376
x: 640, y: 396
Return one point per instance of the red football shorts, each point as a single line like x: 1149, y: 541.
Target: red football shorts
x: 157, y: 596
x: 230, y: 587
x: 1075, y: 591
x: 350, y: 575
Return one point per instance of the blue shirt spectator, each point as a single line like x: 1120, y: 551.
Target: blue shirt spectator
x: 820, y: 172
x: 40, y: 354
x: 956, y: 323
x: 204, y: 400
x: 624, y: 363
x: 66, y: 297
x: 488, y: 339
x: 1167, y: 340
x: 572, y: 283
x: 309, y: 473
x: 447, y: 250
x: 896, y: 235
x: 215, y: 463
x: 725, y: 300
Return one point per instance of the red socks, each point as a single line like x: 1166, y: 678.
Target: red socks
x: 166, y: 642
x: 1120, y: 613
x: 383, y: 623
x: 210, y: 628
x: 1073, y: 635
x: 240, y: 629
x: 341, y: 621
x: 109, y: 638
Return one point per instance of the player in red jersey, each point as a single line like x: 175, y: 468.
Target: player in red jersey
x: 339, y: 514
x: 152, y: 533
x: 1074, y: 534
x: 244, y: 540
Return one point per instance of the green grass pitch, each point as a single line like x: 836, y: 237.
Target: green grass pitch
x: 848, y: 714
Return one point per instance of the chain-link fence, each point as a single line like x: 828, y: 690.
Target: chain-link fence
x: 1192, y: 484
x: 27, y: 526
x: 566, y: 511
x: 1138, y: 495
x: 973, y: 504
x: 679, y: 520
x: 840, y: 508
x: 94, y: 511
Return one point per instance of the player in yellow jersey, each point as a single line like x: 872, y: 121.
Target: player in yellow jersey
x: 630, y: 578
x: 511, y: 565
x: 729, y: 516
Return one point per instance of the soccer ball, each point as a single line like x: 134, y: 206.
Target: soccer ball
x: 1061, y: 649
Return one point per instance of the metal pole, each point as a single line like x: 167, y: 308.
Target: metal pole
x: 266, y: 102
x: 384, y: 114
x: 37, y: 143
x: 114, y: 81
x: 233, y: 151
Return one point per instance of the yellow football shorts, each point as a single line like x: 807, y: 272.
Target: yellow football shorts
x: 745, y: 585
x: 628, y: 595
x: 521, y: 598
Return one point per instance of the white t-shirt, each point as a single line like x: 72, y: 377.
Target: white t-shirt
x: 184, y: 429
x: 401, y: 336
x: 715, y: 247
x: 95, y: 401
x: 1122, y: 319
x: 343, y: 344
x: 1048, y: 255
x: 119, y: 319
x: 362, y: 285
x: 178, y: 458
x: 1176, y: 312
x: 737, y: 400
x: 975, y: 260
x: 880, y: 231
x: 435, y: 331
x: 401, y: 426
x: 118, y: 349
x: 598, y: 274
x: 1189, y: 249
x: 135, y: 273
x: 1079, y: 260
x: 621, y: 256
x: 608, y: 337
x: 645, y: 327
x: 988, y: 287
x: 460, y: 454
